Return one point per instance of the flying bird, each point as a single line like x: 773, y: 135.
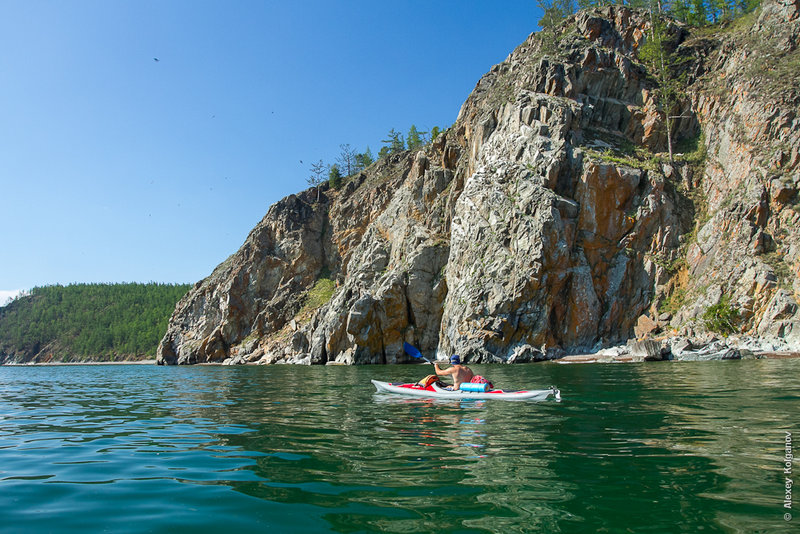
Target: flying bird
x: 155, y: 59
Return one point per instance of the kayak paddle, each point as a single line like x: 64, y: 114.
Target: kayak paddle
x: 411, y: 350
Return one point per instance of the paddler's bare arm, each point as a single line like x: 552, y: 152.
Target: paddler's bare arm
x: 443, y: 372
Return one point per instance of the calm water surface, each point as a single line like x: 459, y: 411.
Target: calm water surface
x: 671, y: 447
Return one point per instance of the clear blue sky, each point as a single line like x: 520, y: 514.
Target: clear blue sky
x: 115, y: 167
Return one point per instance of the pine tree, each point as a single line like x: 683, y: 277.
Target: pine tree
x: 661, y: 64
x: 317, y: 177
x: 395, y: 142
x: 415, y: 138
x: 335, y: 177
x: 347, y: 159
x: 554, y: 12
x: 699, y: 16
x: 680, y: 10
x: 90, y: 320
x: 364, y: 160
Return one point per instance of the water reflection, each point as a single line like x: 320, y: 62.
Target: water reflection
x: 661, y: 447
x: 738, y: 426
x: 379, y: 464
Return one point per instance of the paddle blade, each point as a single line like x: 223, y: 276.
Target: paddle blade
x: 411, y: 350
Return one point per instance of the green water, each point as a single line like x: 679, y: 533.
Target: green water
x: 662, y: 447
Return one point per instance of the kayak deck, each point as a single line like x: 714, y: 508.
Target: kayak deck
x: 438, y: 392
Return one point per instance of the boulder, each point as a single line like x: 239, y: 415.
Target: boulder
x: 679, y: 345
x: 646, y: 350
x: 525, y: 354
x: 644, y: 326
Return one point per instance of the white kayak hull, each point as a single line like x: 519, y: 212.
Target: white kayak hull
x: 436, y: 392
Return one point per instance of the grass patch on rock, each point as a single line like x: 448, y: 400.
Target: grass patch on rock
x: 783, y: 271
x: 692, y: 150
x: 319, y: 295
x: 618, y: 150
x: 674, y: 302
x: 722, y: 317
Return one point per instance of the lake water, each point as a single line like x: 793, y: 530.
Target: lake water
x: 658, y: 447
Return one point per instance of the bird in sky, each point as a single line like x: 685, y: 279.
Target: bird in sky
x: 155, y: 59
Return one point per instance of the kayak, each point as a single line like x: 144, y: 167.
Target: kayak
x: 437, y: 392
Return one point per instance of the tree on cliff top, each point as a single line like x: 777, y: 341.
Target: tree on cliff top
x: 317, y: 177
x: 662, y: 65
x: 554, y: 12
x: 393, y: 144
x: 335, y: 177
x: 416, y: 139
x: 364, y: 160
x: 694, y: 12
x: 347, y: 159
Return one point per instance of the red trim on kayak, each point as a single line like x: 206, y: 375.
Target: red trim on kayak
x: 430, y: 388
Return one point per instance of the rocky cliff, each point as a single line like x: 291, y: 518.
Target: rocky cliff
x: 548, y: 219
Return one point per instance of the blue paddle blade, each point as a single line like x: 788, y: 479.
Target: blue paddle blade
x: 411, y: 350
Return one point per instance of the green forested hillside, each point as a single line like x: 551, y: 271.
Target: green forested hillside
x: 87, y: 321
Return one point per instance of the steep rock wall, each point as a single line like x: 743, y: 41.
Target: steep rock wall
x: 540, y: 223
x: 748, y: 104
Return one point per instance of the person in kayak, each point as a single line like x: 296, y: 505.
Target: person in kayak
x: 459, y: 372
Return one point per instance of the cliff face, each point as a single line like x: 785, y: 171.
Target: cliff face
x: 548, y: 218
x: 747, y: 246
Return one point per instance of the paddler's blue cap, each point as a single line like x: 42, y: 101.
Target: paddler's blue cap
x: 455, y: 360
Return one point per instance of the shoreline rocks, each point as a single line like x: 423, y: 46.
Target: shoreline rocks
x: 685, y: 349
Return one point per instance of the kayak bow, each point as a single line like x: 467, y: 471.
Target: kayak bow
x: 437, y: 392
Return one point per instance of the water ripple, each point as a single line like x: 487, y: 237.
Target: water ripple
x: 140, y: 449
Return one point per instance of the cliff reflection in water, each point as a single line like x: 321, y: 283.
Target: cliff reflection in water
x: 685, y: 444
x: 663, y: 447
x: 734, y: 416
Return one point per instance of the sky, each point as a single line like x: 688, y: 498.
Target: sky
x: 142, y: 140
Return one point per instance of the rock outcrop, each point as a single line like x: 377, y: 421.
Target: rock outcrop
x: 546, y: 220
